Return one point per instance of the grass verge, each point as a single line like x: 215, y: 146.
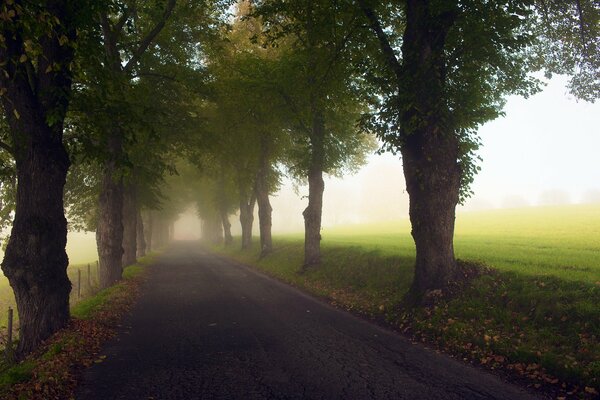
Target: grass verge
x: 51, y: 371
x: 542, y: 329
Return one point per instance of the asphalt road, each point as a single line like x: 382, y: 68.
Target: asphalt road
x: 207, y: 328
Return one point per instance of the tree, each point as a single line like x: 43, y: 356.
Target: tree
x: 37, y: 52
x: 321, y: 92
x: 143, y: 47
x: 245, y: 122
x: 456, y: 64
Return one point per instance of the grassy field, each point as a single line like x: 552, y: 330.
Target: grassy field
x: 558, y: 241
x: 537, y: 314
x: 81, y: 249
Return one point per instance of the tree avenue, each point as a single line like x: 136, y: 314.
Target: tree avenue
x: 125, y: 114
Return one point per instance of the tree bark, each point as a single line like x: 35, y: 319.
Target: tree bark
x: 228, y: 238
x: 148, y: 230
x: 35, y: 261
x: 161, y: 231
x: 262, y: 198
x: 109, y: 232
x: 35, y: 100
x: 141, y: 240
x: 212, y: 229
x: 246, y: 218
x: 316, y: 186
x: 431, y: 147
x: 171, y: 231
x: 130, y: 213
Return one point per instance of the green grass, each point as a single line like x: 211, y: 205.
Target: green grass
x: 540, y: 309
x: 81, y: 249
x: 87, y: 307
x: 550, y: 241
x: 72, y: 341
x: 16, y: 374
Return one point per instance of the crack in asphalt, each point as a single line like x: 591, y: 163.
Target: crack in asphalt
x: 208, y: 328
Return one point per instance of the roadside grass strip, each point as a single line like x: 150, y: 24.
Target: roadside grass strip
x: 52, y: 371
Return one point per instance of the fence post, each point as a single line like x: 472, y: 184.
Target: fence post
x: 78, y: 283
x: 89, y: 278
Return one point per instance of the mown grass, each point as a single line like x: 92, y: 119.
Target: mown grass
x: 537, y: 314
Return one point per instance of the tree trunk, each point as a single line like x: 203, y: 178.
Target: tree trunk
x: 141, y: 240
x: 223, y: 206
x: 130, y: 213
x: 35, y: 98
x: 431, y: 148
x: 212, y: 229
x: 161, y: 231
x: 262, y: 198
x: 171, y: 231
x: 35, y: 260
x: 316, y: 186
x: 109, y: 232
x: 226, y: 228
x: 247, y: 218
x: 148, y: 230
x: 433, y: 189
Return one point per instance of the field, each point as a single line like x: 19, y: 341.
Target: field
x: 81, y: 249
x: 559, y: 241
x: 537, y: 314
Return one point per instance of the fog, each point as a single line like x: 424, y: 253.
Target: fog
x: 543, y: 152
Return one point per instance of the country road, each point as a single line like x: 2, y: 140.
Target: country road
x: 207, y: 328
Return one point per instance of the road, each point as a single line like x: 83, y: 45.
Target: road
x: 208, y: 328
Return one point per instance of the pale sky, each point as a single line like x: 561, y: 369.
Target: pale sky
x: 545, y: 150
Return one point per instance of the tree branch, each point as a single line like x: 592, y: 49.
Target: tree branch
x: 7, y: 148
x: 149, y: 38
x: 155, y: 75
x: 582, y: 27
x: 124, y: 17
x: 386, y: 47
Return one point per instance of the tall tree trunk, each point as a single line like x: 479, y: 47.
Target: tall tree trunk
x: 35, y: 261
x: 157, y: 232
x: 431, y: 147
x: 316, y: 186
x: 161, y: 231
x: 148, y: 230
x: 141, y: 239
x: 212, y: 229
x: 247, y: 218
x: 228, y: 240
x: 171, y: 231
x: 262, y: 198
x: 223, y: 203
x: 35, y: 99
x: 130, y: 213
x: 109, y: 232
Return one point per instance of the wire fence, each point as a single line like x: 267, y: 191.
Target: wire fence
x: 84, y: 283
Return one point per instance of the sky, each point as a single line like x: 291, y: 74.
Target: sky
x: 545, y: 150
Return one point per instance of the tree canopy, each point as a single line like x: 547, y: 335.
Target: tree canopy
x: 109, y: 107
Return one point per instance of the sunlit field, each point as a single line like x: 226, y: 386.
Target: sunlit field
x: 81, y: 249
x: 563, y: 241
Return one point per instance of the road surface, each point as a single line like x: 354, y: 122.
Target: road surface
x: 208, y: 328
